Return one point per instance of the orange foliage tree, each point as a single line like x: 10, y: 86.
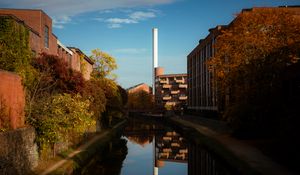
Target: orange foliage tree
x: 252, y: 54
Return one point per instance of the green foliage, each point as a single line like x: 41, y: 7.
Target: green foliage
x: 104, y: 64
x: 95, y: 94
x: 55, y: 116
x: 15, y: 53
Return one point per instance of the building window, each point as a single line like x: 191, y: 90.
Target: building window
x: 46, y: 35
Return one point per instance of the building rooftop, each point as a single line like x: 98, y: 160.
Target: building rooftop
x: 135, y: 86
x: 172, y: 75
x: 85, y: 56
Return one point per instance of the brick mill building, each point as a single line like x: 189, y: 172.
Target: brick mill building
x: 202, y: 91
x: 170, y: 89
x: 42, y: 39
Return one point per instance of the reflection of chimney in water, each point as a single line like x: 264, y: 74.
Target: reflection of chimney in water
x: 155, y: 167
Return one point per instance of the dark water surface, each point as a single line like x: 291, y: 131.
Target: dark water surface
x: 152, y: 148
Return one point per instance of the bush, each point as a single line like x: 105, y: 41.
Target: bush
x: 54, y: 117
x: 55, y: 76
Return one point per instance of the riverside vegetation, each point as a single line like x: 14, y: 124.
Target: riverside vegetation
x: 60, y: 104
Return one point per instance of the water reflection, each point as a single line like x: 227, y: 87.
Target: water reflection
x: 204, y: 162
x: 154, y: 149
x: 148, y: 147
x: 107, y: 162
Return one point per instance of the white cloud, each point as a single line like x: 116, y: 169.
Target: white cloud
x: 121, y: 21
x: 139, y: 15
x: 130, y: 50
x: 114, y: 26
x: 58, y: 9
x: 58, y: 26
x: 132, y: 18
x: 58, y: 22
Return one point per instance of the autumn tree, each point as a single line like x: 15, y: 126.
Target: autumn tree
x: 140, y: 100
x: 104, y: 64
x: 252, y: 54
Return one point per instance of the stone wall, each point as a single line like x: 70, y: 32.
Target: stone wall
x: 18, y: 152
x: 12, y: 99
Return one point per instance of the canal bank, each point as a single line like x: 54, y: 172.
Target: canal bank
x: 81, y: 156
x: 246, y: 159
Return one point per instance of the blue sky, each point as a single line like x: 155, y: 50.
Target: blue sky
x: 123, y: 28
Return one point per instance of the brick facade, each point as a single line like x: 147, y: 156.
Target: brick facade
x: 38, y: 21
x: 40, y: 27
x: 12, y: 98
x: 202, y: 92
x: 81, y: 62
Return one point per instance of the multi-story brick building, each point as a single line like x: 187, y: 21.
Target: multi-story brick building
x: 41, y: 23
x: 170, y: 89
x: 201, y: 92
x: 42, y: 40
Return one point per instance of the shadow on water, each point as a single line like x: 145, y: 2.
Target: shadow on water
x: 152, y: 147
x: 109, y: 162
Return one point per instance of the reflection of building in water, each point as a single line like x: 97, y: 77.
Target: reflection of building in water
x: 171, y: 147
x: 204, y: 162
x: 143, y: 141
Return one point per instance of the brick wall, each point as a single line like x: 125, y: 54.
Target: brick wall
x: 12, y: 96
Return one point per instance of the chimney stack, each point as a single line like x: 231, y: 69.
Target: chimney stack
x: 154, y: 55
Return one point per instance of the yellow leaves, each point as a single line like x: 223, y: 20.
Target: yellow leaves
x: 104, y: 63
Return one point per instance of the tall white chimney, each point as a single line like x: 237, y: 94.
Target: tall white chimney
x: 154, y: 55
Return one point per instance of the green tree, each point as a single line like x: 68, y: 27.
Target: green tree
x: 54, y: 117
x: 15, y: 53
x: 104, y: 64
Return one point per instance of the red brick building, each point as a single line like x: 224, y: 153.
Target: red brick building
x: 42, y: 40
x: 81, y: 62
x: 202, y: 92
x: 41, y: 23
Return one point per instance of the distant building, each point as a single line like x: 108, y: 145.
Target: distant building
x: 140, y: 87
x: 170, y: 89
x: 42, y: 40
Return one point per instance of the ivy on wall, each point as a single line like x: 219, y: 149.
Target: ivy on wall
x: 14, y: 45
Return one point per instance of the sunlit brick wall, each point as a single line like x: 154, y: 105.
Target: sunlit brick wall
x: 12, y: 98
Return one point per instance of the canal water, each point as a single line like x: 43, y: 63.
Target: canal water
x: 149, y: 147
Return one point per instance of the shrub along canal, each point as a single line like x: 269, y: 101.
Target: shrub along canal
x: 150, y: 147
